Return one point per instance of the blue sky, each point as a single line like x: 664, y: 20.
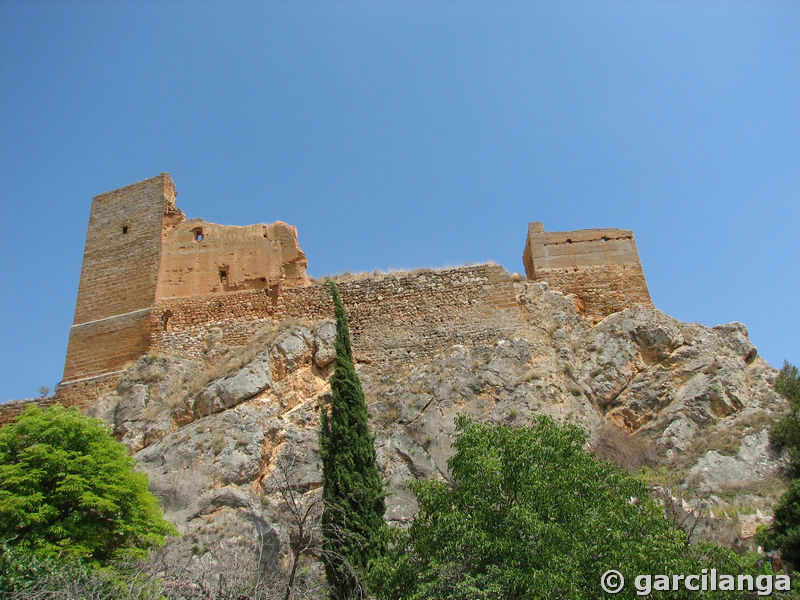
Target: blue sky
x: 408, y: 134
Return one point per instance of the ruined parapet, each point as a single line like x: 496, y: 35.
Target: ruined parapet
x: 600, y: 267
x: 140, y: 249
x: 200, y: 258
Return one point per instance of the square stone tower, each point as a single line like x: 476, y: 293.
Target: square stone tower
x: 142, y: 253
x: 600, y: 267
x: 119, y: 276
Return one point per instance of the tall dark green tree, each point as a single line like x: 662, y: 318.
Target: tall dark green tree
x: 352, y: 489
x: 786, y: 432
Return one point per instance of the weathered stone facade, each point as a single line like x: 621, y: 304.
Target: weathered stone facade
x: 600, y: 267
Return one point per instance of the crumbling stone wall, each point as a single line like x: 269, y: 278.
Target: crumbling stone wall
x: 600, y: 267
x: 79, y: 393
x: 391, y: 318
x: 200, y: 258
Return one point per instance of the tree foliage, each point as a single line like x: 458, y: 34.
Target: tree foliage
x: 67, y: 488
x: 530, y: 514
x: 352, y: 489
x: 784, y: 535
x: 786, y: 432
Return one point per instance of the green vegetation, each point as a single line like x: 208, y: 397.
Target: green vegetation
x: 530, y: 514
x: 68, y: 489
x: 786, y: 432
x: 26, y: 576
x: 784, y: 535
x: 352, y: 490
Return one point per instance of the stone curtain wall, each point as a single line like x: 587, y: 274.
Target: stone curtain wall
x: 600, y: 267
x: 80, y: 394
x: 391, y: 318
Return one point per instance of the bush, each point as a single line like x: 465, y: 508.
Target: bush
x: 67, y: 488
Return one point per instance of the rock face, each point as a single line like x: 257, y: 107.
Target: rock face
x: 210, y: 432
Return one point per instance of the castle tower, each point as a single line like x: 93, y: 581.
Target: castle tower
x: 600, y: 267
x: 142, y: 255
x: 119, y: 276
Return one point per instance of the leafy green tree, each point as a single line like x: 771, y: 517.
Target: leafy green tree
x: 67, y: 488
x: 786, y: 432
x: 530, y: 514
x: 352, y: 489
x: 784, y: 535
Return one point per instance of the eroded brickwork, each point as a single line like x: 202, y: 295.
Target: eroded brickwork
x: 200, y: 258
x: 391, y: 318
x: 600, y: 267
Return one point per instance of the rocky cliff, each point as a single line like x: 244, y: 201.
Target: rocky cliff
x: 690, y: 403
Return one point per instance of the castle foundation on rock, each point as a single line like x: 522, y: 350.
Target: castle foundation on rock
x: 154, y: 281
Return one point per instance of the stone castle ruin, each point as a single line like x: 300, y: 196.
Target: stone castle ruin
x: 599, y: 266
x: 154, y: 281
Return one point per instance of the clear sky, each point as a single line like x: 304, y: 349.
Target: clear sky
x: 408, y: 134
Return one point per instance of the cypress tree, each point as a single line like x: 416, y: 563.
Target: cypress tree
x: 352, y: 489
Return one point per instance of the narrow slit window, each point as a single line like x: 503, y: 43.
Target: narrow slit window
x: 198, y: 234
x: 124, y: 229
